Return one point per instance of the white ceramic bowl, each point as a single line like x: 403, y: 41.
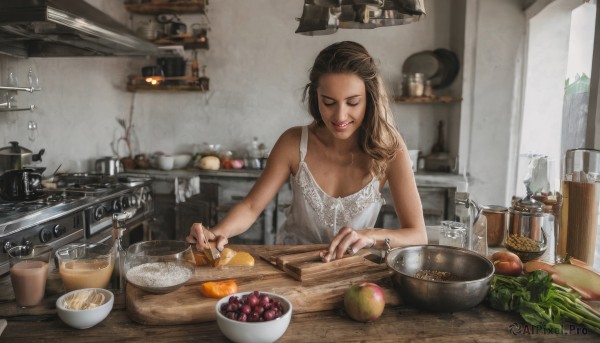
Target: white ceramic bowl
x: 166, y: 162
x: 181, y: 161
x: 254, y: 332
x: 83, y: 319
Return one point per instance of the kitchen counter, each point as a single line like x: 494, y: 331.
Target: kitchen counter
x: 423, y: 179
x: 398, y: 323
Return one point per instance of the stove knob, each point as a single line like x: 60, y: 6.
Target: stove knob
x: 116, y: 205
x: 99, y: 212
x: 133, y: 200
x: 59, y: 230
x: 26, y: 242
x: 45, y: 235
x: 126, y: 202
x: 8, y: 245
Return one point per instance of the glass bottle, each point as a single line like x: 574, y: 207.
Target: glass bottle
x: 453, y: 234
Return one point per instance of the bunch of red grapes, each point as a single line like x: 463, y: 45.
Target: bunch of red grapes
x: 253, y: 307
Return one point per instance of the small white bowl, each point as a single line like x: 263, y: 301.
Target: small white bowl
x: 254, y: 332
x: 166, y: 162
x: 181, y: 161
x: 83, y: 319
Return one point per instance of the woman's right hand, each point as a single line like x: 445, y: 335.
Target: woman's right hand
x: 198, y: 231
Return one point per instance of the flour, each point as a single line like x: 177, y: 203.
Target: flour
x: 159, y: 274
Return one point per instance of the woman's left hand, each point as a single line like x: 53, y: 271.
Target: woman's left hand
x: 347, y: 242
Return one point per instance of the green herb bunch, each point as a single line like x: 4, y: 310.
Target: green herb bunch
x: 541, y: 302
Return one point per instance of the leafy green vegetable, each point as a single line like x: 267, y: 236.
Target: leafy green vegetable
x: 541, y: 302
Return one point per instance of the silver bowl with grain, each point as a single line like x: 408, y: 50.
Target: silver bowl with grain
x: 440, y: 278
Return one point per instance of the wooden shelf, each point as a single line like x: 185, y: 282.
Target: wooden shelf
x: 188, y: 41
x: 176, y: 7
x: 443, y: 99
x: 174, y: 84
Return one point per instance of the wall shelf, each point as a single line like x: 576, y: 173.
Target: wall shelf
x: 443, y: 99
x: 173, y: 84
x: 176, y: 7
x: 188, y: 41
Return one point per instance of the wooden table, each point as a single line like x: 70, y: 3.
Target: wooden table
x: 397, y: 324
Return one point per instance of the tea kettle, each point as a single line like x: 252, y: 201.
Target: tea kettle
x: 22, y: 184
x: 15, y: 157
x: 109, y: 165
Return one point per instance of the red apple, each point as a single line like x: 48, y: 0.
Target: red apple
x: 507, y: 263
x: 364, y: 302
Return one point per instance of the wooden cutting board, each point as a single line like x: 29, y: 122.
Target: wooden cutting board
x: 319, y: 291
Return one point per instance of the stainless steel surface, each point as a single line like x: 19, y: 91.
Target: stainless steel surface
x: 473, y: 271
x: 323, y: 17
x: 108, y: 166
x: 80, y: 209
x: 62, y: 28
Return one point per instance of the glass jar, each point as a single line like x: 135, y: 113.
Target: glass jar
x: 453, y: 234
x: 416, y: 84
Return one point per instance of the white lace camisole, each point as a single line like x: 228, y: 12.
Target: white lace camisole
x: 314, y: 217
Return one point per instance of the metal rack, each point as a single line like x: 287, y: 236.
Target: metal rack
x: 8, y: 107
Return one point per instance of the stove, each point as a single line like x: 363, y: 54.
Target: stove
x: 78, y: 208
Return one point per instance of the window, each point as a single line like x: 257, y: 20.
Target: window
x: 556, y: 85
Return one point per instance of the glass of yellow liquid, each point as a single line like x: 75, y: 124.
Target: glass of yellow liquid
x: 85, y: 265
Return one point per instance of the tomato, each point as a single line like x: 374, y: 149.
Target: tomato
x: 507, y: 263
x: 218, y: 289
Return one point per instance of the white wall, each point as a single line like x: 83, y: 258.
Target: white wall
x: 494, y: 42
x: 257, y: 68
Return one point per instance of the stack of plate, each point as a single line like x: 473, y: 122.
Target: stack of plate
x: 440, y: 66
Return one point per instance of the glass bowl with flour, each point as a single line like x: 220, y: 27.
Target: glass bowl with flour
x: 159, y: 266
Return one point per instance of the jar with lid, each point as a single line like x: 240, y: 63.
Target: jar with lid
x: 453, y: 234
x: 416, y: 84
x: 525, y: 229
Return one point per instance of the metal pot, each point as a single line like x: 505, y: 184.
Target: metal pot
x: 23, y: 184
x: 109, y: 166
x: 16, y: 157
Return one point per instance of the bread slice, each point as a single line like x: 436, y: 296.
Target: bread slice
x: 242, y: 258
x: 226, y: 256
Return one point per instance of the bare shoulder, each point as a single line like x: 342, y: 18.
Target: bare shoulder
x: 288, y: 147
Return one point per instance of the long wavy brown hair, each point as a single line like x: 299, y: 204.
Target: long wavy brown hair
x: 378, y: 136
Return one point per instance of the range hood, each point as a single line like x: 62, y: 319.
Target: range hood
x: 324, y: 17
x: 64, y: 28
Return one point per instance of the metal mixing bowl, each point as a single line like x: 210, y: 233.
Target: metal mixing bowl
x: 472, y: 272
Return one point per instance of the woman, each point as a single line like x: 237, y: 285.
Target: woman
x: 339, y: 164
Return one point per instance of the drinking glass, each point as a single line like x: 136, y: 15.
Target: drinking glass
x: 29, y: 272
x: 578, y: 231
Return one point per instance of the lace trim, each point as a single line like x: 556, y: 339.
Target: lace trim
x: 333, y: 212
